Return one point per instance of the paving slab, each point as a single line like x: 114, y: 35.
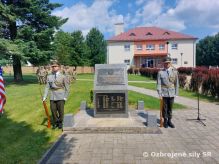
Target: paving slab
x: 189, y: 142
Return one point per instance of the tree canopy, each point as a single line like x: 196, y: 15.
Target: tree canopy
x: 74, y: 50
x: 97, y: 46
x: 27, y: 26
x: 208, y: 51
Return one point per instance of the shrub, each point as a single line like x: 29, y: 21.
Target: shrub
x: 182, y: 80
x: 213, y: 82
x: 185, y: 70
x: 196, y: 81
x: 149, y: 72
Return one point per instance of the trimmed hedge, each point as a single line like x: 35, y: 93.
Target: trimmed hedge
x: 149, y: 72
x: 206, y: 81
x: 202, y: 79
x: 185, y: 70
x: 133, y: 70
x: 182, y: 80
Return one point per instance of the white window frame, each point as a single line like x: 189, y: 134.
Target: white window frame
x: 174, y: 46
x: 150, y: 47
x: 139, y: 47
x: 174, y: 61
x: 127, y: 47
x: 127, y: 61
x: 161, y: 47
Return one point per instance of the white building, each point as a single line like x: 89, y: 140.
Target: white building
x: 147, y: 46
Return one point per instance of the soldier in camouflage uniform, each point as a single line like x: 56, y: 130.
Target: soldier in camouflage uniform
x: 167, y: 88
x: 58, y: 85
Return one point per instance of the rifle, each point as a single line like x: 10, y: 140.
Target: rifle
x: 46, y: 111
x: 161, y: 113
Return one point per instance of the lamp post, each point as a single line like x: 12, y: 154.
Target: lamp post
x: 167, y: 47
x: 181, y: 58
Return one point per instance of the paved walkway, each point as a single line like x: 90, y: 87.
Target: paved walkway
x: 189, y: 142
x: 180, y: 100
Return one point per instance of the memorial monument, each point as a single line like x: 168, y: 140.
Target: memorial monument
x: 110, y: 90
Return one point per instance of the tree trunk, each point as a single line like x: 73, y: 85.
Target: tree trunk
x: 16, y: 60
x: 17, y: 69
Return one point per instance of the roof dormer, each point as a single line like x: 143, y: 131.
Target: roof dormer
x: 132, y: 34
x: 166, y: 33
x: 149, y: 33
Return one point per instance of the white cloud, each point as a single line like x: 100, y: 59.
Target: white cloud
x: 100, y: 14
x: 83, y: 17
x: 199, y: 12
x: 139, y: 2
x: 185, y: 13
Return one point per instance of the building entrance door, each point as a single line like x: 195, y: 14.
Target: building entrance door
x: 150, y: 63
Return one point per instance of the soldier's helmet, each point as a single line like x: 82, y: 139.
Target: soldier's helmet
x: 167, y: 60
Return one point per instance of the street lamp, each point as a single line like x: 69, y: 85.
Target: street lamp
x: 167, y: 46
x: 181, y: 58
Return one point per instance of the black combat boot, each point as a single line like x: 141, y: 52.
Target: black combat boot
x: 170, y: 123
x: 165, y: 124
x: 60, y: 125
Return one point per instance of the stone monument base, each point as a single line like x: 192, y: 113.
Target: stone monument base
x: 119, y: 115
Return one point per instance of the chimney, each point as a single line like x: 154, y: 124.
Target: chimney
x: 119, y: 28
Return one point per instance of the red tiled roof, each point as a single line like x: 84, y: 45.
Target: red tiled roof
x: 149, y: 33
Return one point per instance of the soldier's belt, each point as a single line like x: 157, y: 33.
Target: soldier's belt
x: 56, y: 89
x: 168, y: 86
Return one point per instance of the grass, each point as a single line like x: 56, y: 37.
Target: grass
x: 149, y: 101
x: 24, y: 135
x: 132, y: 77
x: 182, y: 92
x: 85, y: 76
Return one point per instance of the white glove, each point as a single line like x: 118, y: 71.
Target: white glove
x: 65, y: 99
x: 44, y: 98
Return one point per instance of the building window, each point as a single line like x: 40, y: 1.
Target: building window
x: 127, y: 61
x: 161, y: 47
x: 174, y: 46
x: 127, y: 47
x: 174, y: 60
x: 150, y: 47
x: 139, y: 47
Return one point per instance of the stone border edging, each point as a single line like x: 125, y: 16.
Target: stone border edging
x: 51, y: 150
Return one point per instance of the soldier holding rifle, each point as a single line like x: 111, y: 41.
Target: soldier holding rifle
x: 58, y: 84
x: 167, y: 88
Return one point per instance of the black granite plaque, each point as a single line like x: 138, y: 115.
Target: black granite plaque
x: 113, y: 76
x: 110, y: 102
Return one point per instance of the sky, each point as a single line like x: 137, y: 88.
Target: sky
x: 198, y: 18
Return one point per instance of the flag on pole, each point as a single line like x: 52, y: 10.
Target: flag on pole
x: 2, y: 94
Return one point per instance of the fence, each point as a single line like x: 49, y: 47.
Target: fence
x: 32, y: 70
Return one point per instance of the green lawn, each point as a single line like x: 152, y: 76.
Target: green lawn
x: 23, y: 132
x: 182, y: 92
x: 131, y: 77
x: 149, y: 101
x: 85, y: 76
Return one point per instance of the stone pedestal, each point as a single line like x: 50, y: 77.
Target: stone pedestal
x: 151, y: 120
x: 83, y: 105
x: 68, y: 121
x: 110, y: 90
x: 140, y: 105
